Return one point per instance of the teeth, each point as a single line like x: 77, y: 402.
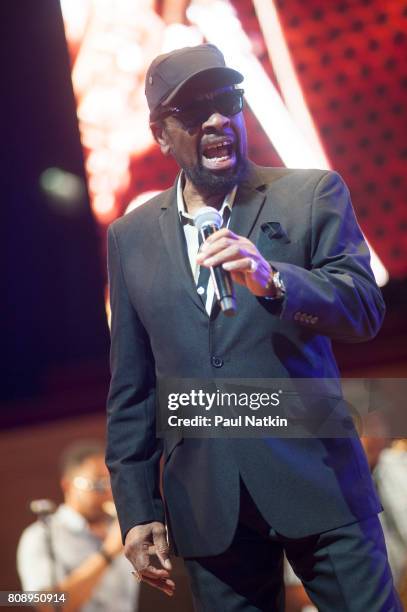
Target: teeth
x: 220, y: 145
x: 219, y: 159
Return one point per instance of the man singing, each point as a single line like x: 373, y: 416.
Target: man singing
x: 302, y: 276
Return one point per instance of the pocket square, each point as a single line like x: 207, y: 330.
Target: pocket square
x: 273, y: 230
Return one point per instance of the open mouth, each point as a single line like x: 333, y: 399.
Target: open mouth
x: 218, y: 155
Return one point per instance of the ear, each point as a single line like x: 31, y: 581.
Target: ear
x: 160, y: 136
x: 65, y: 484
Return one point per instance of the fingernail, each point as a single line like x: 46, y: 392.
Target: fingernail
x: 167, y: 564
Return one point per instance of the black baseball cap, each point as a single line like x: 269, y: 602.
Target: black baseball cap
x: 174, y: 75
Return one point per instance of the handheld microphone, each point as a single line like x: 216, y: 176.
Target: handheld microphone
x: 208, y: 220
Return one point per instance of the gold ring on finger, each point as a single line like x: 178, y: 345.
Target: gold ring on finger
x: 253, y: 265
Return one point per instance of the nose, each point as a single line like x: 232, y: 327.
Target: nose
x: 216, y: 121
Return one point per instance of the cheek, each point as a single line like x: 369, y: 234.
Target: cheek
x: 242, y: 135
x: 96, y: 502
x: 186, y: 152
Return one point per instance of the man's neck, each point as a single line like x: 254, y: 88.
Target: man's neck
x: 194, y: 199
x: 95, y: 523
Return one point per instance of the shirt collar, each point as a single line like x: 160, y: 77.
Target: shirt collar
x: 227, y: 202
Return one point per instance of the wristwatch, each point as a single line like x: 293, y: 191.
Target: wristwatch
x: 277, y: 282
x: 106, y: 556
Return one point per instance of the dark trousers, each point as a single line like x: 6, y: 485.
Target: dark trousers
x: 342, y: 570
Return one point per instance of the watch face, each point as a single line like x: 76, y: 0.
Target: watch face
x: 279, y: 285
x: 277, y: 280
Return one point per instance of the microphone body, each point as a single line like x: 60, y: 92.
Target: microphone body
x: 208, y: 221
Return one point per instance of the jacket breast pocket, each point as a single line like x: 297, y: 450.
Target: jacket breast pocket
x: 274, y: 244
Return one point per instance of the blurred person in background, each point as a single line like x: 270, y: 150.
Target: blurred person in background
x: 389, y: 469
x: 388, y: 465
x: 296, y: 598
x: 77, y: 550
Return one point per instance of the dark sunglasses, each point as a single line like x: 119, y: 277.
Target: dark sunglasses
x: 227, y: 103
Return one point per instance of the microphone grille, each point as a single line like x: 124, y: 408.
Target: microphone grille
x: 207, y: 215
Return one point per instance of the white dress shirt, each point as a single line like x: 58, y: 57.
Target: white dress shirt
x: 191, y: 236
x: 390, y: 476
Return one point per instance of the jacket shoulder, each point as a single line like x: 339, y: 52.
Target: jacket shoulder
x: 292, y: 176
x: 144, y: 214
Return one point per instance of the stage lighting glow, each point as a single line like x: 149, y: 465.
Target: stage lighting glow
x: 76, y: 14
x: 178, y: 35
x: 104, y: 161
x: 296, y: 148
x: 379, y: 271
x: 130, y: 58
x: 291, y: 90
x: 284, y: 70
x: 65, y: 191
x: 93, y: 138
x: 103, y: 204
x: 119, y: 41
x: 104, y: 183
x: 107, y: 306
x: 133, y: 133
x: 214, y: 19
x: 101, y: 106
x: 142, y: 198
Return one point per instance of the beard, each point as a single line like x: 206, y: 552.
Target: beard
x: 214, y: 183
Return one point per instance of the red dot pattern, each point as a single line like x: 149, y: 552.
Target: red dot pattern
x: 351, y: 61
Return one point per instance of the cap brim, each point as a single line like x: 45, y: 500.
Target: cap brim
x: 204, y: 80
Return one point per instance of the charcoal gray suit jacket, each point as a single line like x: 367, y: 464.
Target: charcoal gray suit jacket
x: 303, y: 223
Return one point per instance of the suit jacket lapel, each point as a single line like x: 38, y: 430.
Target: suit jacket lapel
x: 174, y: 241
x: 248, y: 204
x: 249, y: 201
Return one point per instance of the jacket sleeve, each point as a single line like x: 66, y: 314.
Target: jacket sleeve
x: 338, y: 297
x: 133, y: 451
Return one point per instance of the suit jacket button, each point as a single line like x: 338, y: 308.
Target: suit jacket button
x: 217, y: 362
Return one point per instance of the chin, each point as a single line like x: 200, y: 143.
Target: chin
x: 96, y: 514
x: 213, y: 182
